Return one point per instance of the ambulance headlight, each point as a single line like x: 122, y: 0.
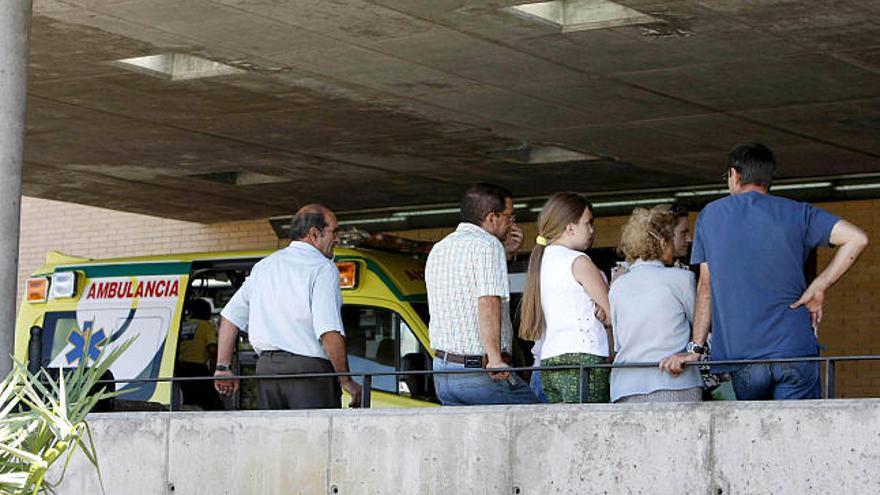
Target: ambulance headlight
x: 348, y: 274
x: 63, y: 285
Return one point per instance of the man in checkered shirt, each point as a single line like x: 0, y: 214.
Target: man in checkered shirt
x: 469, y: 300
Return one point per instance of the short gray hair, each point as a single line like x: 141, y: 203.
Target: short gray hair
x: 312, y: 215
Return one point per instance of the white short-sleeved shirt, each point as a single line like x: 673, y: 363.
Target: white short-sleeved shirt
x: 570, y: 323
x: 466, y: 265
x: 291, y: 298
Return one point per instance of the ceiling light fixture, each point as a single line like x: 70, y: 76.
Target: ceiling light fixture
x: 803, y: 185
x: 701, y: 192
x: 581, y: 15
x: 360, y: 221
x: 441, y: 211
x: 779, y: 187
x: 611, y: 204
x: 419, y: 213
x: 858, y: 187
x: 649, y: 201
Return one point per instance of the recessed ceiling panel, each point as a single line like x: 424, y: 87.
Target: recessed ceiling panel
x: 176, y: 66
x: 582, y: 15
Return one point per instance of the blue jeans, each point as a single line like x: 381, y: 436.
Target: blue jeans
x: 781, y: 381
x: 538, y: 387
x: 470, y: 389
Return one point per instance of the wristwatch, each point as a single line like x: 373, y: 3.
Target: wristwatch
x: 222, y: 367
x: 695, y: 348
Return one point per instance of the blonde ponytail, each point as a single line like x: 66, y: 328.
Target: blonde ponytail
x: 557, y: 213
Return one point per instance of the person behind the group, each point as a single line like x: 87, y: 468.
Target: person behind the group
x: 469, y: 301
x: 751, y: 247
x: 290, y: 306
x: 680, y: 239
x: 652, y: 307
x: 680, y: 235
x: 564, y: 291
x: 196, y: 353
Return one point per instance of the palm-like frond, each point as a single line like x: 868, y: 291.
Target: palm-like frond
x: 43, y: 419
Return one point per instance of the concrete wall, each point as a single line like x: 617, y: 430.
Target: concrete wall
x: 714, y: 449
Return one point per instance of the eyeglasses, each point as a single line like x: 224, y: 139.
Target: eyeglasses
x: 511, y: 216
x: 726, y: 175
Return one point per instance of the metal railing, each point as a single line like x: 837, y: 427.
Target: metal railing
x: 583, y: 372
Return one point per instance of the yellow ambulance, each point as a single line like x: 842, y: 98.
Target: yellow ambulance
x: 76, y: 308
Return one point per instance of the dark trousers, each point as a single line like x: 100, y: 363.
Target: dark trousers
x: 296, y: 393
x: 200, y: 393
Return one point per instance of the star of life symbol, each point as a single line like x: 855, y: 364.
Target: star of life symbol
x: 79, y: 340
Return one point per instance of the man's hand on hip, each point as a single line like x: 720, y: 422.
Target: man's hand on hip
x: 353, y: 389
x: 225, y: 387
x: 813, y: 298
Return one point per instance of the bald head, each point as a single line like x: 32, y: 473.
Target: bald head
x: 311, y: 215
x: 313, y: 208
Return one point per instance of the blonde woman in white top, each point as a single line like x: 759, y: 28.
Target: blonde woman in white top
x: 565, y: 302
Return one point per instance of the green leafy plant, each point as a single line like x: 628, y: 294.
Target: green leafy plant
x: 43, y: 421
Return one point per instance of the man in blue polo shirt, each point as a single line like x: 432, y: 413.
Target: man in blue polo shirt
x: 751, y: 247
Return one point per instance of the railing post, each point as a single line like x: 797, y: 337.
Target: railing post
x: 367, y: 391
x: 584, y: 384
x: 175, y: 395
x: 829, y: 378
x: 35, y: 350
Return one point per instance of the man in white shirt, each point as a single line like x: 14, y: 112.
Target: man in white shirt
x: 469, y: 300
x: 290, y: 307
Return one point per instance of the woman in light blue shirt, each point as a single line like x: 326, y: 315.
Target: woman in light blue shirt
x: 652, y: 309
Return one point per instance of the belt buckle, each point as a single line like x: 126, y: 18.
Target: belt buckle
x: 473, y: 361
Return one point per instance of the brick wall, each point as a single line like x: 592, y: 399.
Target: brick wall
x: 99, y: 233
x: 852, y: 310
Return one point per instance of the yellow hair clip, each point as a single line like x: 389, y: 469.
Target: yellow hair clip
x: 541, y: 240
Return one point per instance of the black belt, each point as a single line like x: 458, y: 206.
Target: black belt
x: 288, y: 354
x: 278, y: 351
x: 468, y: 360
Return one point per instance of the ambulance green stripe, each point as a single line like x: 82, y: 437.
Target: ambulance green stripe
x: 183, y: 268
x: 373, y: 267
x: 130, y: 269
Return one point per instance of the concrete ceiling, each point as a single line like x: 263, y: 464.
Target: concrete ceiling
x: 381, y: 103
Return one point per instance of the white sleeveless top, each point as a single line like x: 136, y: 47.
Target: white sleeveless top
x: 570, y: 323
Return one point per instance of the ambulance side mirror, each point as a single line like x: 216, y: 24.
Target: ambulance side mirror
x: 417, y: 384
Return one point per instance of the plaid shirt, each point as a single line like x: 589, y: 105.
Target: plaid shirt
x: 465, y: 265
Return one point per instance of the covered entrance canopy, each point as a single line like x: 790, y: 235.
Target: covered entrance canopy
x: 378, y: 106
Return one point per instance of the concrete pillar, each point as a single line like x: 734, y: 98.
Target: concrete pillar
x: 15, y: 18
